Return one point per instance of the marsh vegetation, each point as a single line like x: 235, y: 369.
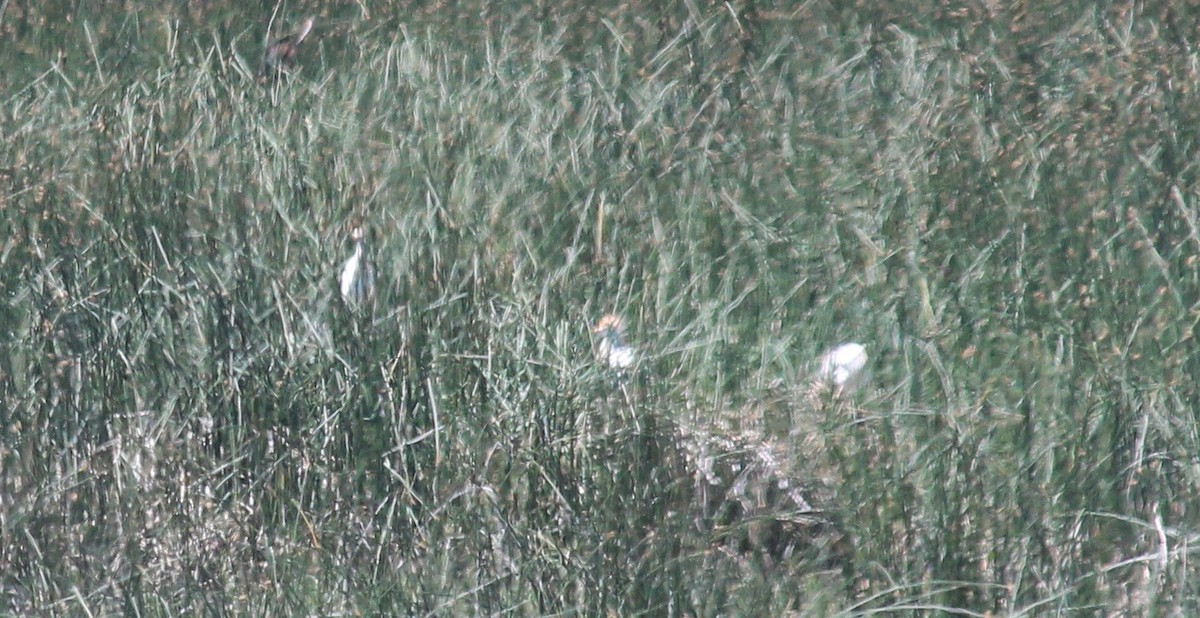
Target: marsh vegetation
x: 999, y: 203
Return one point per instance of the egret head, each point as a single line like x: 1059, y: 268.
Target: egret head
x: 609, y: 323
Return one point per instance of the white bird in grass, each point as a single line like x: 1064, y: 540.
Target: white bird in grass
x: 842, y: 366
x: 357, y: 282
x: 612, y: 347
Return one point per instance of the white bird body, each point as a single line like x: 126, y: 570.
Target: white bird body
x: 842, y: 366
x: 612, y: 348
x: 350, y: 272
x: 356, y: 281
x: 619, y: 356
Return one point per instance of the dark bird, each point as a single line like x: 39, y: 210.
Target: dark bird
x: 280, y: 55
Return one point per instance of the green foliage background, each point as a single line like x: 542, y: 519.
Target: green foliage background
x: 998, y: 199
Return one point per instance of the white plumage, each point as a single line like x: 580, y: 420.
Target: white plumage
x: 357, y: 279
x: 842, y: 366
x: 612, y: 348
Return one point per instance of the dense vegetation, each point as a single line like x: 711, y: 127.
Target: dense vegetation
x: 999, y: 201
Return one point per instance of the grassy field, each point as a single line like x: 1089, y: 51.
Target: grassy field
x: 1000, y: 203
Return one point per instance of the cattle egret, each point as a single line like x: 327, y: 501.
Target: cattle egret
x: 612, y: 348
x: 357, y: 282
x: 841, y: 367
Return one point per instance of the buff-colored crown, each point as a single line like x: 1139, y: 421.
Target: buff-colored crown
x: 607, y: 322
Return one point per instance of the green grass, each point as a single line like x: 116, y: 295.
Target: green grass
x: 1001, y: 206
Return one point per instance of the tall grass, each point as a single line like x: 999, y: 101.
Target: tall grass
x: 1000, y: 205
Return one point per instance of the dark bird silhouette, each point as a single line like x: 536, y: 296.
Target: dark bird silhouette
x: 280, y: 55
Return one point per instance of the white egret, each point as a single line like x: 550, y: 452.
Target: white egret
x: 842, y: 366
x: 357, y: 281
x: 612, y: 348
